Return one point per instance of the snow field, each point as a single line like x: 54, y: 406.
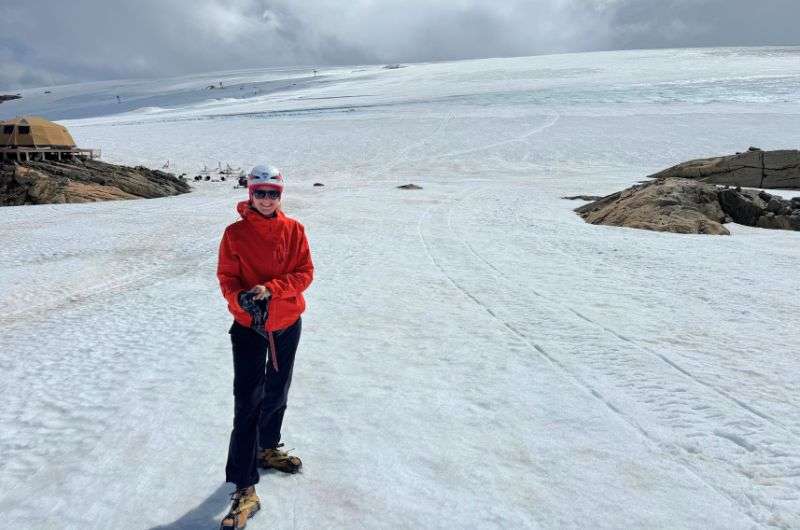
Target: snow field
x: 473, y: 356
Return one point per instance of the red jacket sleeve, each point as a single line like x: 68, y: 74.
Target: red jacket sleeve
x: 300, y: 277
x: 228, y: 272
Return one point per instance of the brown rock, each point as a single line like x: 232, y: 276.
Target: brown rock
x: 671, y: 205
x: 744, y: 207
x: 758, y: 208
x: 778, y: 206
x: 770, y: 220
x: 752, y: 169
x: 82, y: 181
x: 583, y: 198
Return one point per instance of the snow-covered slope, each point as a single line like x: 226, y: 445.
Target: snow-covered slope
x: 474, y: 355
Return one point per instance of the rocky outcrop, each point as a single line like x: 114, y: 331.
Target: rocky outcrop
x: 582, y: 198
x: 82, y: 181
x: 759, y: 208
x: 686, y: 206
x: 673, y: 205
x: 752, y: 169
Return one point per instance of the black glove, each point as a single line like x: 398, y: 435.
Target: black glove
x: 257, y: 309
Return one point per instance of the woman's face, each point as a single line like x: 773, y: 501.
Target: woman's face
x: 266, y: 204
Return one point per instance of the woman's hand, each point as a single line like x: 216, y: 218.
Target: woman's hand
x: 260, y: 292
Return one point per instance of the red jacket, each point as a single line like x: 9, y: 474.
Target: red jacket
x: 270, y: 251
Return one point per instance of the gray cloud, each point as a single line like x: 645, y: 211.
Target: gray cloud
x: 45, y: 42
x: 674, y: 23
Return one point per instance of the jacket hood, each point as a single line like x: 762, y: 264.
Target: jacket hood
x: 244, y: 209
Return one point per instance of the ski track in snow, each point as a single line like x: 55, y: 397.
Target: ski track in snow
x: 671, y: 408
x: 795, y: 407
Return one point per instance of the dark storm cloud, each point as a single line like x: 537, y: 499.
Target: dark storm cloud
x: 47, y: 42
x: 679, y: 23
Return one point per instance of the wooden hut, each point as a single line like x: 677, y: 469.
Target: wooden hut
x: 33, y: 138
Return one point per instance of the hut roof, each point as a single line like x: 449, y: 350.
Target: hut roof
x: 33, y: 131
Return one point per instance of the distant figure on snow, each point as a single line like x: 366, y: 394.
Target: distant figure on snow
x: 264, y: 267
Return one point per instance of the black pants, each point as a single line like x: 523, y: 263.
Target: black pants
x: 259, y: 395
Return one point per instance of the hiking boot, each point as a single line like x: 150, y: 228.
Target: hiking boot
x: 244, y: 506
x: 275, y: 458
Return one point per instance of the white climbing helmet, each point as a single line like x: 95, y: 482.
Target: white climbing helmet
x: 264, y: 176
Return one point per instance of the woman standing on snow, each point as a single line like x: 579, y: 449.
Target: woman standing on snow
x: 264, y: 267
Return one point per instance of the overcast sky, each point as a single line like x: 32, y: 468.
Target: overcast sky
x: 45, y: 42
